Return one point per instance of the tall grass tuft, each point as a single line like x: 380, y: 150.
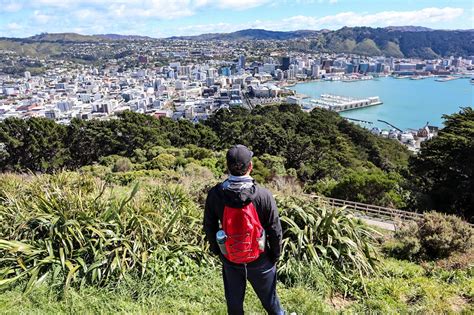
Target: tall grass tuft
x: 75, y: 230
x: 329, y: 238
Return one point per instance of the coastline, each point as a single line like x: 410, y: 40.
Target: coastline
x: 407, y: 103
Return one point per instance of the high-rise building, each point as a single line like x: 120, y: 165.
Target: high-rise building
x: 379, y: 67
x: 350, y: 68
x: 225, y: 71
x: 315, y: 71
x: 241, y: 62
x: 212, y: 73
x: 279, y: 74
x: 285, y: 63
x: 364, y: 67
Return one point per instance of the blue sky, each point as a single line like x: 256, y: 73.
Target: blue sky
x: 162, y: 18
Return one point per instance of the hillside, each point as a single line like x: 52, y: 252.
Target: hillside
x: 63, y: 37
x: 400, y: 41
x: 74, y: 37
x: 408, y: 28
x: 403, y: 41
x: 122, y: 37
x: 86, y: 242
x: 251, y: 34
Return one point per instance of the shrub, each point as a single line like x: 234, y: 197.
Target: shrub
x: 95, y: 170
x: 286, y: 185
x: 109, y: 160
x: 122, y: 164
x: 260, y: 172
x: 406, y: 244
x: 162, y: 162
x: 275, y: 163
x: 213, y: 165
x: 434, y: 236
x: 441, y: 235
x: 198, y: 153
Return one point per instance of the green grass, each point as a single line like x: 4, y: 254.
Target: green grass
x: 201, y: 293
x: 402, y: 287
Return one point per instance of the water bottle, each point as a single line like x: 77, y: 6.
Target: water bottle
x: 221, y: 238
x: 261, y: 241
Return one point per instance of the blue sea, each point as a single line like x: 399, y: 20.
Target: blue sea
x: 406, y: 103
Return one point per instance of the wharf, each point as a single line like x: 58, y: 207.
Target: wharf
x: 342, y: 103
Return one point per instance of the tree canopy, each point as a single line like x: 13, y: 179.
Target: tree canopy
x: 443, y: 172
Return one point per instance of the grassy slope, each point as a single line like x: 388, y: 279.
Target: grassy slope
x: 402, y: 287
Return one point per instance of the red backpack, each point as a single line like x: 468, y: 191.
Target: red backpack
x: 244, y: 231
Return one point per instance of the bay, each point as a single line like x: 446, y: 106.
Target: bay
x: 406, y: 103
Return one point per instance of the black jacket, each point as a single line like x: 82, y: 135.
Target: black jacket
x: 236, y: 196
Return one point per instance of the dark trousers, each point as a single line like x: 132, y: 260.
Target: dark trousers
x: 263, y: 280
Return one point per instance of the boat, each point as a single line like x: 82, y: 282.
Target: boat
x: 445, y: 79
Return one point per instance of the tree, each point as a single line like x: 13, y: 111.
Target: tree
x: 443, y: 171
x: 35, y: 144
x: 372, y: 187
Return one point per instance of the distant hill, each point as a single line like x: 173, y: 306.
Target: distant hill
x: 251, y: 34
x: 395, y: 41
x: 73, y: 37
x: 123, y: 37
x: 401, y: 42
x: 261, y: 34
x: 64, y: 37
x: 409, y: 28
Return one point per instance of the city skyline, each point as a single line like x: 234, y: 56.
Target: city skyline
x: 193, y: 17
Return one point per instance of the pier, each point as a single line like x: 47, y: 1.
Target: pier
x: 342, y: 103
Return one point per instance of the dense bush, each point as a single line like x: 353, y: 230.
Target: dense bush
x: 315, y: 146
x: 372, y: 187
x: 440, y: 235
x: 434, y: 236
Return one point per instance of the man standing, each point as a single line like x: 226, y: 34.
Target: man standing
x: 246, y: 217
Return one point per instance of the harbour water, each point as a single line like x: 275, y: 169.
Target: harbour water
x: 406, y: 103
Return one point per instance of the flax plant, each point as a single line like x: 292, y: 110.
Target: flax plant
x: 321, y: 236
x: 74, y: 230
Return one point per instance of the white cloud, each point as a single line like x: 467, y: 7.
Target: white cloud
x: 161, y: 9
x: 240, y: 4
x: 425, y: 16
x: 142, y: 17
x: 41, y: 18
x: 10, y: 6
x: 154, y: 8
x: 14, y: 26
x: 385, y: 18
